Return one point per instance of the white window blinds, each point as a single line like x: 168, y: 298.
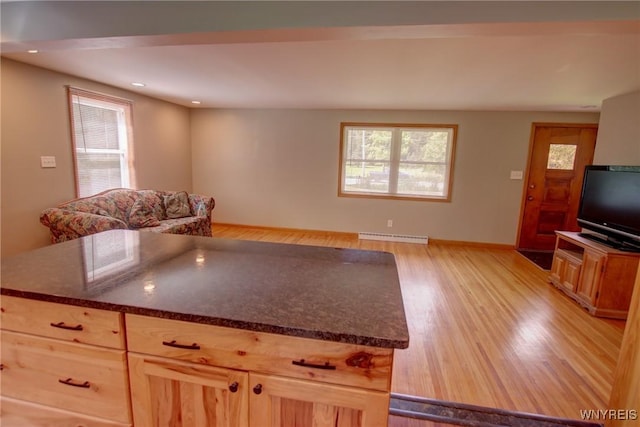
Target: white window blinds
x: 102, y: 141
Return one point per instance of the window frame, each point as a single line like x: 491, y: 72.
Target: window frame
x: 394, y: 162
x: 124, y: 111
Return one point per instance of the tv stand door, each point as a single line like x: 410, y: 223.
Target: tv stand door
x: 589, y: 282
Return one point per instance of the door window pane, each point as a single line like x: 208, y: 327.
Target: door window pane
x: 561, y: 156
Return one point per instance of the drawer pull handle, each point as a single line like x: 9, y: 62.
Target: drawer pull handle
x: 257, y: 389
x: 173, y: 343
x: 301, y: 362
x: 61, y: 325
x: 69, y: 381
x: 233, y: 387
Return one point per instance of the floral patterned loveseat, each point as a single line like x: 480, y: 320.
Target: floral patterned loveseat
x: 176, y: 212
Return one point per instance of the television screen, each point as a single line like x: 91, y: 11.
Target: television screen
x: 610, y: 202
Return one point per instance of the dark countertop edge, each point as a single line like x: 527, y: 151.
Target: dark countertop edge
x: 215, y: 321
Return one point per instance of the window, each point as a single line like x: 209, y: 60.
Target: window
x: 561, y: 156
x: 397, y: 161
x: 102, y: 141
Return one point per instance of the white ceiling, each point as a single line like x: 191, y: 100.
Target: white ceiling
x: 541, y: 66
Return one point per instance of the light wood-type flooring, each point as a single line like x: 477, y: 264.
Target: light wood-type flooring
x: 486, y: 328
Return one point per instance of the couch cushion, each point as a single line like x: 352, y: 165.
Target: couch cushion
x: 195, y: 226
x: 142, y: 214
x: 177, y: 205
x: 155, y: 201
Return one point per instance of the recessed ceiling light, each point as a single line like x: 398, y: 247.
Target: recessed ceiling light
x: 195, y: 102
x: 32, y: 51
x: 138, y: 84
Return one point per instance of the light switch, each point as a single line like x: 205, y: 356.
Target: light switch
x: 48, y: 161
x: 516, y: 175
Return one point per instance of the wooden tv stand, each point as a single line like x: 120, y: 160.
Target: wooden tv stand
x: 597, y: 276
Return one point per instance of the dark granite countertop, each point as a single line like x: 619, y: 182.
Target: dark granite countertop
x: 343, y: 295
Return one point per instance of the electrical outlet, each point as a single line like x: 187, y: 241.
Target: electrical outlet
x: 389, y: 223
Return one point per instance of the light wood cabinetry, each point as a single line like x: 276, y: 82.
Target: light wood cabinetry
x: 346, y: 364
x: 565, y: 270
x: 278, y: 380
x: 20, y: 413
x: 593, y: 263
x: 72, y: 366
x: 149, y: 355
x: 598, y: 277
x: 283, y: 402
x: 47, y: 366
x: 168, y: 392
x: 64, y: 322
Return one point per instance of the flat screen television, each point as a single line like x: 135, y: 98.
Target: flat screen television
x: 610, y: 205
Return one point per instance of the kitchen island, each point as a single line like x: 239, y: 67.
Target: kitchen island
x: 155, y: 329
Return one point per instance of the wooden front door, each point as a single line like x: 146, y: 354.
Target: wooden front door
x: 558, y: 155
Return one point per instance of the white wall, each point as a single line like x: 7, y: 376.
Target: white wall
x: 279, y: 168
x: 35, y: 122
x: 618, y: 140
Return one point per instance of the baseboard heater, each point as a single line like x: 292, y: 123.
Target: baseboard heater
x: 394, y: 238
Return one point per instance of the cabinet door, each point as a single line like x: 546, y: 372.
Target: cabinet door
x: 168, y: 392
x: 557, y: 269
x: 571, y: 276
x: 285, y: 402
x: 589, y: 283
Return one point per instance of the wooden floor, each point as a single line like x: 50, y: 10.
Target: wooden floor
x: 485, y: 328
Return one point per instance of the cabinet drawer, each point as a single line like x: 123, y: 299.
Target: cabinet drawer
x: 74, y: 377
x: 18, y: 413
x: 332, y: 362
x: 64, y: 322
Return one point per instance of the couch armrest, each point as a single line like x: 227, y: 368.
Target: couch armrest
x: 201, y: 205
x: 68, y: 225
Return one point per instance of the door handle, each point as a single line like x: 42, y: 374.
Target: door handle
x: 530, y: 198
